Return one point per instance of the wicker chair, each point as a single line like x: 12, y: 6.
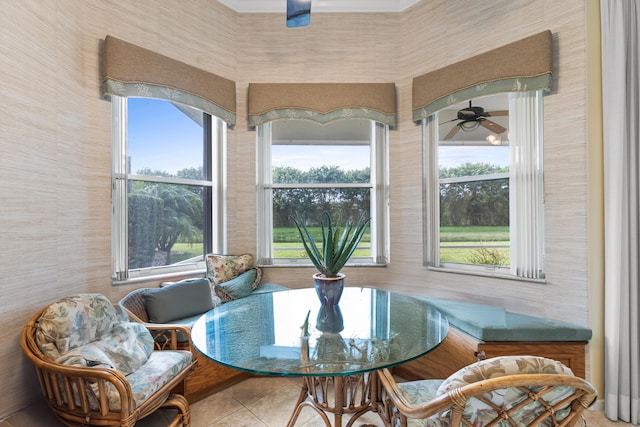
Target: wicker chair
x: 97, y: 368
x: 502, y: 391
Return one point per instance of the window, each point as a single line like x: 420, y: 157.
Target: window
x: 483, y: 190
x: 307, y: 169
x: 167, y: 180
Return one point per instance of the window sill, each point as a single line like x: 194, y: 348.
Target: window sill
x: 159, y: 277
x: 294, y: 264
x: 491, y: 274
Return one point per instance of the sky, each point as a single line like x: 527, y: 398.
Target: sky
x: 152, y: 145
x: 152, y: 137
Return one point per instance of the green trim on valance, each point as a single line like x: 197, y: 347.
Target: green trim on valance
x: 322, y: 102
x: 129, y: 70
x: 146, y: 90
x: 522, y: 66
x: 521, y: 84
x: 342, y: 113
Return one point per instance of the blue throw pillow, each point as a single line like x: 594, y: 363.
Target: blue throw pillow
x: 178, y: 300
x: 238, y: 287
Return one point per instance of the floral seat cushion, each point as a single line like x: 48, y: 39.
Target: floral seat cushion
x: 161, y: 367
x: 417, y: 392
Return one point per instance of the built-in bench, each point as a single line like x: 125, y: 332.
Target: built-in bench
x: 183, y: 303
x: 479, y: 331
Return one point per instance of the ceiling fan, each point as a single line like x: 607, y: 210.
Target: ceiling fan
x: 298, y: 13
x: 471, y: 117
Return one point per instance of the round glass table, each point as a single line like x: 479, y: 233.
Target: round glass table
x: 336, y: 349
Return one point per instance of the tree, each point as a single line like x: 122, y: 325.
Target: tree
x: 143, y: 212
x: 483, y: 202
x: 182, y: 209
x: 181, y: 214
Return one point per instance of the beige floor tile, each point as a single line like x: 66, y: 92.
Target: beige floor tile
x: 275, y: 409
x: 207, y: 411
x: 254, y: 389
x: 240, y: 418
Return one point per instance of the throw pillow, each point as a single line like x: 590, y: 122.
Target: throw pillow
x: 179, y: 300
x: 126, y: 348
x: 238, y: 287
x: 221, y: 268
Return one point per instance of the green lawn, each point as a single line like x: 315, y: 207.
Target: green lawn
x: 475, y: 245
x: 286, y: 241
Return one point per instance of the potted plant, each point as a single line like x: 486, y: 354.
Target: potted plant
x: 338, y: 244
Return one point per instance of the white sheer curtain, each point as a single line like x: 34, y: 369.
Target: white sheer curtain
x: 621, y: 117
x: 526, y: 189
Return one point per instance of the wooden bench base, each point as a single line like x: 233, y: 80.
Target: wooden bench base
x: 209, y: 377
x: 460, y: 349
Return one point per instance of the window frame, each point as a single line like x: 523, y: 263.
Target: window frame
x: 431, y: 201
x: 214, y: 167
x: 378, y: 187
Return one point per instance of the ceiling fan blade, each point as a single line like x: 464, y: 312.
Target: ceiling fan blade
x: 452, y: 132
x: 298, y: 13
x: 498, y: 113
x: 492, y: 126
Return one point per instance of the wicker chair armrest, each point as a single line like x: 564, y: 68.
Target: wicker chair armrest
x: 165, y: 336
x: 583, y: 396
x: 398, y: 399
x: 135, y: 306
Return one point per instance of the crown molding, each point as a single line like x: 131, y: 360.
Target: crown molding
x: 320, y: 6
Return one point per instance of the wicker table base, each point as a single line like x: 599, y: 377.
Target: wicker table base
x: 338, y: 395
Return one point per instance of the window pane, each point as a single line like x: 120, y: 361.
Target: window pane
x: 474, y: 222
x: 165, y: 223
x: 474, y: 197
x: 307, y: 152
x: 344, y: 203
x: 164, y: 139
x: 320, y: 163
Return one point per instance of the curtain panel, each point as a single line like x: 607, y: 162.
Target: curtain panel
x: 522, y: 66
x: 620, y: 32
x: 322, y: 102
x: 129, y: 70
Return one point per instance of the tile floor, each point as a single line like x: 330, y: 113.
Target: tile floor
x: 256, y: 402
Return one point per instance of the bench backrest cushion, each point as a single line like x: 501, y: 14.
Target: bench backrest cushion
x: 74, y: 321
x: 178, y: 300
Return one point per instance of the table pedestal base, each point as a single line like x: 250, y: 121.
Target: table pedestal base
x: 339, y: 395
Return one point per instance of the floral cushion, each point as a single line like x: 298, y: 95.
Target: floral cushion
x: 74, y: 321
x: 125, y: 348
x: 238, y: 287
x: 479, y: 413
x: 88, y: 330
x: 221, y: 268
x: 159, y: 369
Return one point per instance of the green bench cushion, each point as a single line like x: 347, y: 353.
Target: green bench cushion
x: 492, y: 323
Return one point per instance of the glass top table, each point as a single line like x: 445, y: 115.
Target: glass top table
x: 368, y: 330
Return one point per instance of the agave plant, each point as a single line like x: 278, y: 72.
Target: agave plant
x: 337, y: 244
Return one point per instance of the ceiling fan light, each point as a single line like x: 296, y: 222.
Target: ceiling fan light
x: 469, y: 125
x: 494, y: 139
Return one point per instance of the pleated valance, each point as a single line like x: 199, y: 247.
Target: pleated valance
x: 129, y: 70
x: 322, y: 102
x: 525, y: 65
